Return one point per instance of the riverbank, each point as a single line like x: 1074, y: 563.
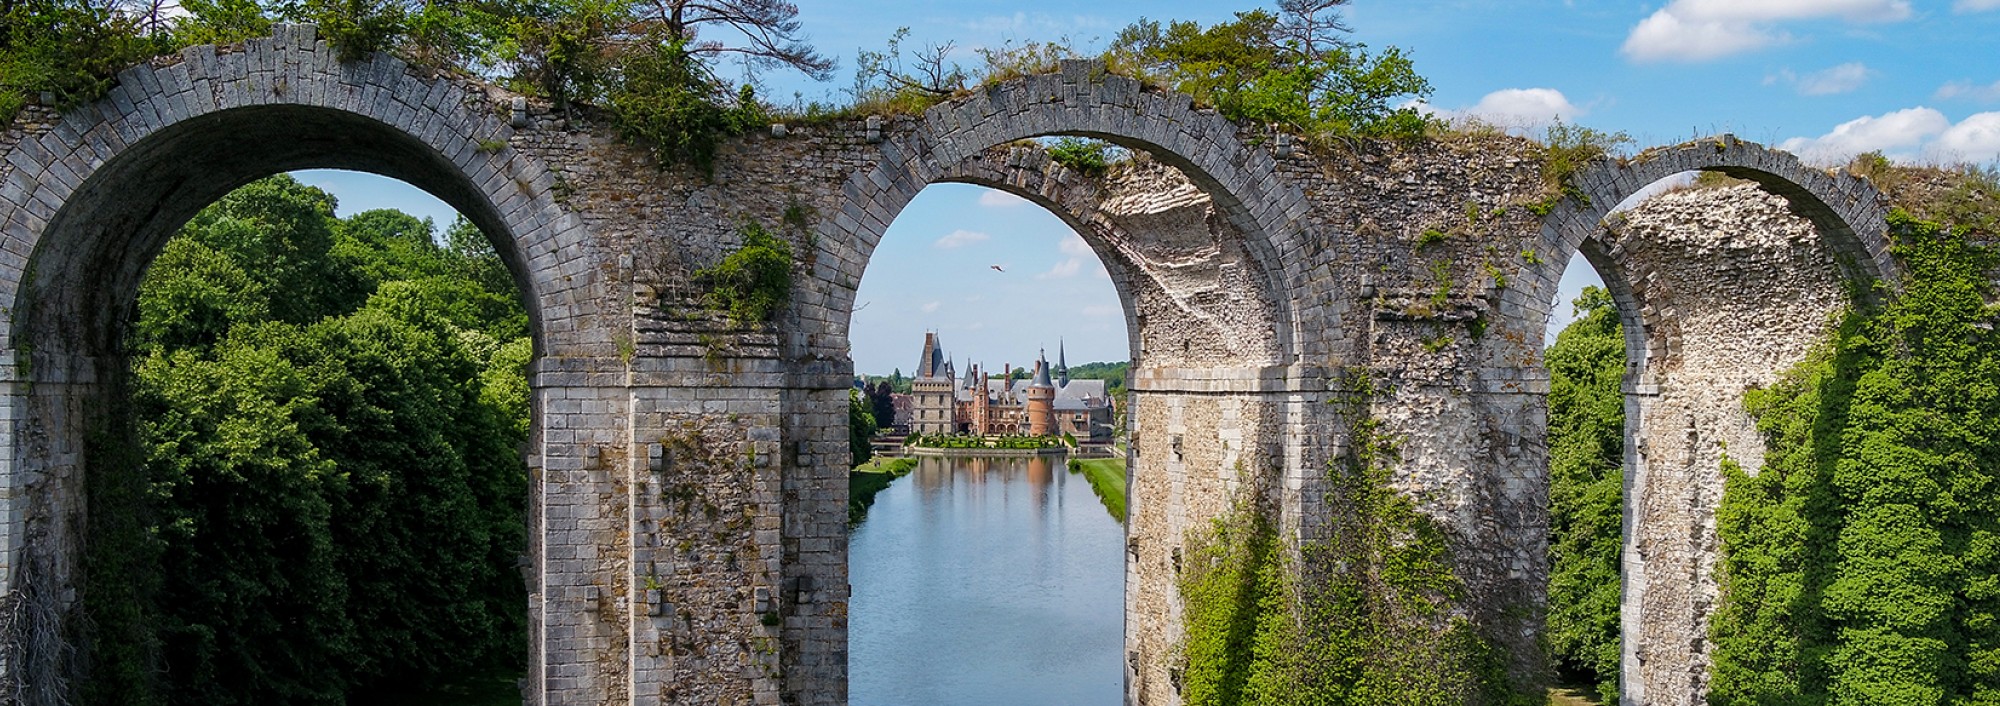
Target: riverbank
x: 867, y: 479
x: 1107, y: 479
x: 987, y: 453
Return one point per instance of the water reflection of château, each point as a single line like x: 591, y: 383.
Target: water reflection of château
x: 938, y: 474
x: 1048, y: 404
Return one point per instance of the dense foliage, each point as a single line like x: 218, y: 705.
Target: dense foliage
x: 67, y: 49
x: 861, y: 427
x: 1091, y: 157
x: 328, y: 500
x: 1363, y: 615
x: 1860, y: 563
x: 1586, y: 491
x: 1293, y: 67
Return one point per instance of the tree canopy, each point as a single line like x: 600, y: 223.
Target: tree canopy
x: 1586, y: 491
x: 328, y: 484
x: 1295, y: 67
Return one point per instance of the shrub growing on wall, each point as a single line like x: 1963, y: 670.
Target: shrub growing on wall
x: 752, y: 284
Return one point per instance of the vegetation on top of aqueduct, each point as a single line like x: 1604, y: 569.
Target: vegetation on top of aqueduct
x: 651, y: 66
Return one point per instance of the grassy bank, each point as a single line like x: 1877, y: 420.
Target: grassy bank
x: 1107, y: 477
x: 870, y: 478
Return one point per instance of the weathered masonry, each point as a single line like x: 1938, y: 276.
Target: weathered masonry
x: 690, y: 489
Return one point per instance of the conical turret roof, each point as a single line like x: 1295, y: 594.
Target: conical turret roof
x: 1062, y: 364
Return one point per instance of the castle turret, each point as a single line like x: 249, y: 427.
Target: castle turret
x: 932, y: 409
x: 1041, y: 407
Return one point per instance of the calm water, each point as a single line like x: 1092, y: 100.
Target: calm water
x: 987, y: 581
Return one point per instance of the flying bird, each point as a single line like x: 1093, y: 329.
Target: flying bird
x: 996, y: 268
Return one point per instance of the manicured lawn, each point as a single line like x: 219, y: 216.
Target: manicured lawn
x: 1107, y: 477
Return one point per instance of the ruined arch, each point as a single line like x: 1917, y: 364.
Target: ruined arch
x: 92, y: 194
x: 1081, y: 100
x: 1719, y: 291
x: 1847, y: 210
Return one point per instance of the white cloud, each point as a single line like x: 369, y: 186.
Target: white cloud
x: 1067, y: 269
x: 1074, y: 246
x: 1699, y: 30
x: 931, y: 308
x: 1897, y: 132
x: 1514, y: 108
x: 1080, y: 258
x: 1909, y: 134
x: 1079, y: 255
x: 995, y: 198
x: 1968, y: 89
x: 961, y: 238
x: 1839, y: 79
x: 1975, y: 139
x: 1526, y: 107
x: 1975, y: 5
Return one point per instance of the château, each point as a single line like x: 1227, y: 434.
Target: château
x: 1048, y: 403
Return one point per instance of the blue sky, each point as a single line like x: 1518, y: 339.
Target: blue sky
x: 1825, y: 78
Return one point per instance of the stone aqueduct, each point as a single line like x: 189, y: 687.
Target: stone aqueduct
x: 1254, y: 272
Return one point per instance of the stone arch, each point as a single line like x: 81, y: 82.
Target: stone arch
x: 88, y: 197
x: 1029, y: 174
x: 1847, y: 210
x: 1119, y: 217
x: 1081, y: 100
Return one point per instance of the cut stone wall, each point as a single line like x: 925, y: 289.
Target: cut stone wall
x: 689, y: 504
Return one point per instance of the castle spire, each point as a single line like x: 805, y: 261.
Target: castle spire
x: 1062, y: 364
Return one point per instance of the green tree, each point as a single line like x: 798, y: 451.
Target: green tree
x: 1586, y: 491
x: 1293, y: 67
x: 68, y: 49
x: 282, y: 233
x: 666, y: 99
x: 251, y: 608
x: 861, y: 428
x: 192, y: 296
x: 326, y: 500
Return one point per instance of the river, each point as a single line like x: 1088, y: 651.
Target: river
x: 987, y: 582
